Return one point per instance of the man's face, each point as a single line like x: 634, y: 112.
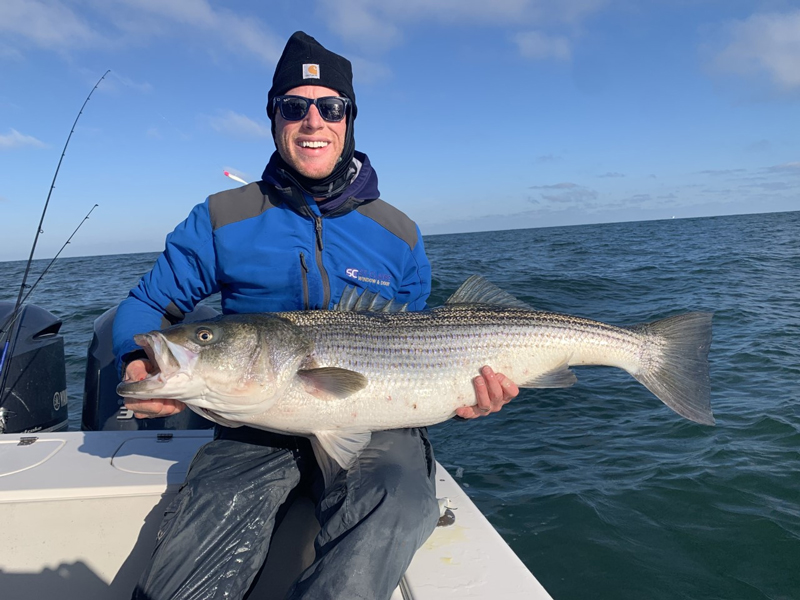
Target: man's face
x: 311, y: 145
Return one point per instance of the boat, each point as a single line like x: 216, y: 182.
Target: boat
x: 81, y: 509
x: 33, y: 379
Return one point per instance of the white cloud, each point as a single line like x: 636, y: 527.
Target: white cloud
x: 15, y: 139
x: 378, y: 24
x: 369, y: 71
x: 46, y: 23
x: 566, y: 185
x: 8, y: 53
x: 461, y: 11
x: 636, y: 200
x: 245, y: 35
x: 790, y: 168
x: 143, y: 87
x: 766, y: 43
x: 361, y: 20
x: 759, y: 146
x: 721, y: 172
x: 187, y: 12
x: 539, y: 46
x: 55, y: 25
x: 239, y: 125
x: 566, y: 193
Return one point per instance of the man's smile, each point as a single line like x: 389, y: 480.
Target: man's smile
x: 312, y: 144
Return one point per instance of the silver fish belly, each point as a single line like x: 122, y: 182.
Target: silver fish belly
x: 336, y: 376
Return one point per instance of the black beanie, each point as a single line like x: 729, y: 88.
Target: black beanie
x: 306, y: 62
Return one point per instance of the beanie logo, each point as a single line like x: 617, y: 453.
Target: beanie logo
x: 310, y: 71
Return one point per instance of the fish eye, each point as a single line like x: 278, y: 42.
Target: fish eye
x: 204, y: 335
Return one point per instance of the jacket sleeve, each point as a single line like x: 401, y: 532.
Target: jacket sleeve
x: 416, y: 286
x: 184, y: 274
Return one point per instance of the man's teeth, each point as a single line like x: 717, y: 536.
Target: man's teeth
x: 313, y: 144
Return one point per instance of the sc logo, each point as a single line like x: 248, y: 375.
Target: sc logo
x: 352, y: 273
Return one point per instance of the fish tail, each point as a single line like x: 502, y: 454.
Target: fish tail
x: 674, y: 364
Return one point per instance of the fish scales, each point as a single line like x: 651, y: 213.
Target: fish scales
x: 335, y: 376
x: 413, y: 357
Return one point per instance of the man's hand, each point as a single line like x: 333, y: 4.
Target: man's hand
x: 149, y: 408
x: 492, y: 392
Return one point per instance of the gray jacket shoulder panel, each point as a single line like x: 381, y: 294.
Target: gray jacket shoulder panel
x: 392, y: 219
x: 239, y: 204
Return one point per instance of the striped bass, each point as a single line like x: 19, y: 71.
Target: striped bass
x: 336, y: 376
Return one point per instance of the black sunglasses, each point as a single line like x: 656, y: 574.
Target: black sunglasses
x: 294, y: 108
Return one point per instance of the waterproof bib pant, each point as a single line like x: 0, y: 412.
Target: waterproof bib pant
x: 216, y: 533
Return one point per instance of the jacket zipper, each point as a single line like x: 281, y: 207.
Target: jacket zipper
x: 326, y: 285
x: 304, y: 268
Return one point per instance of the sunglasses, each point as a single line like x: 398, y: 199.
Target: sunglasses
x: 295, y: 108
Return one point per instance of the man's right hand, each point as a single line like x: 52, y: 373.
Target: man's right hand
x: 148, y: 408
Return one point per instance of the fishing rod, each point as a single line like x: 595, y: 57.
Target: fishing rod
x: 47, y: 268
x: 52, y: 186
x: 10, y: 321
x: 8, y: 325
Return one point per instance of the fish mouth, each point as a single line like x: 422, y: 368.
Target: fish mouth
x: 168, y: 361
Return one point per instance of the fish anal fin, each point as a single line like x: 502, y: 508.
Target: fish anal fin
x: 332, y: 381
x: 559, y: 377
x: 477, y: 290
x: 335, y: 450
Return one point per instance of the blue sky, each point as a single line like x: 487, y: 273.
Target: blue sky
x: 477, y: 115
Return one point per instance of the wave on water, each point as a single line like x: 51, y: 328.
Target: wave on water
x: 603, y: 491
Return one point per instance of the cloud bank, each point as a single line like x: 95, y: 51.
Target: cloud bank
x: 763, y: 44
x: 56, y: 25
x: 379, y: 25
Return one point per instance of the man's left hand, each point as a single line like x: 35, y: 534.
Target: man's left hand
x: 492, y: 392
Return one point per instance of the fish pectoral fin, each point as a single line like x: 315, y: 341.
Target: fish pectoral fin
x: 337, y: 450
x: 560, y: 377
x: 340, y: 383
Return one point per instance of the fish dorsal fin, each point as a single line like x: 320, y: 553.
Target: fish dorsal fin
x: 367, y: 301
x: 337, y: 449
x: 477, y: 290
x: 337, y: 382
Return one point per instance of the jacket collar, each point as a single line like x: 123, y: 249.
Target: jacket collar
x: 362, y: 189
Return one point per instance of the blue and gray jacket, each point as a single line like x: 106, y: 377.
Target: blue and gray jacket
x: 266, y: 247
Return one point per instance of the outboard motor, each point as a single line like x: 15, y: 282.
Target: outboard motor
x: 103, y: 409
x: 34, y: 397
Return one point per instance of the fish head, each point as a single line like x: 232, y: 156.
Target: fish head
x: 233, y: 365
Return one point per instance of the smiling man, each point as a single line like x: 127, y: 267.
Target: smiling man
x: 311, y: 227
x: 312, y: 145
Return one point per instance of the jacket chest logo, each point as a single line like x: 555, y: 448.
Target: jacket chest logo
x: 369, y: 276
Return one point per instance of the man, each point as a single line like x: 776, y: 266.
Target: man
x: 292, y: 241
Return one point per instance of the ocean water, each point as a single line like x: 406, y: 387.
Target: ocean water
x: 601, y: 490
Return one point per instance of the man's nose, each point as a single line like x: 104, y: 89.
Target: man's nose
x: 313, y: 120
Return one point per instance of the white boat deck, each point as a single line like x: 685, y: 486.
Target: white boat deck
x: 80, y: 511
